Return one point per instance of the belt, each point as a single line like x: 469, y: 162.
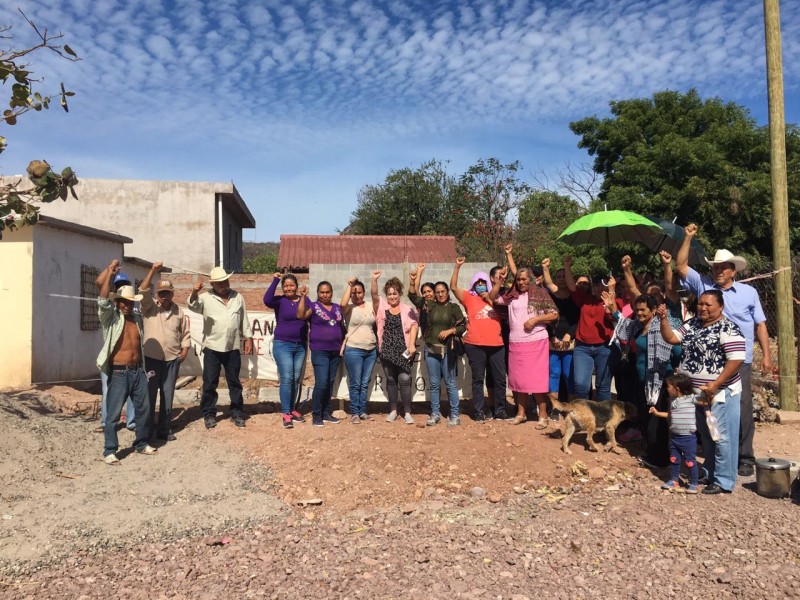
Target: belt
x: 131, y: 367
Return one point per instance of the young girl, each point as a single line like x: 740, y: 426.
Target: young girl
x: 682, y: 428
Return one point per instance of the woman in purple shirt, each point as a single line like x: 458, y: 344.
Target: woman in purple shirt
x: 325, y: 340
x: 289, y: 343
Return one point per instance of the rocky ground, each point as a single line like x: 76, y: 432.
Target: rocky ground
x: 377, y: 510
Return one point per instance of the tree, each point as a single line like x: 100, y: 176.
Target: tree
x: 18, y: 201
x: 702, y: 161
x: 493, y: 192
x: 409, y: 202
x: 260, y: 263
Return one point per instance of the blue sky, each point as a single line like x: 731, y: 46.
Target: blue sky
x: 301, y: 103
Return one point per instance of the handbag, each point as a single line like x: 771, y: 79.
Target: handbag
x: 456, y: 345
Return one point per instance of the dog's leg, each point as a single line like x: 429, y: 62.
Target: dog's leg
x: 612, y: 440
x: 591, y: 425
x: 567, y: 433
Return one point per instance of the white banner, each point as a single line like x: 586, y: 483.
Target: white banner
x: 261, y: 364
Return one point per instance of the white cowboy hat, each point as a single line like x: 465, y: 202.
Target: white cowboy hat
x: 725, y: 256
x: 219, y: 274
x: 126, y: 292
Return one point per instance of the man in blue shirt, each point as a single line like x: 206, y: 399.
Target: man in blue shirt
x: 743, y: 307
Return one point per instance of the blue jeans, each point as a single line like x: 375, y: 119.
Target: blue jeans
x: 683, y: 448
x: 359, y: 365
x: 588, y: 358
x: 121, y: 385
x: 325, y: 363
x: 722, y: 457
x: 561, y: 365
x: 165, y: 375
x: 290, y: 357
x: 130, y: 413
x: 439, y: 367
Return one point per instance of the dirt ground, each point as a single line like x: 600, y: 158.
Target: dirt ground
x: 398, y: 511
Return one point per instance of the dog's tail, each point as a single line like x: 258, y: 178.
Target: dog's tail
x: 565, y: 408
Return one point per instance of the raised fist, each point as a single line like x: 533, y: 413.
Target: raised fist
x: 377, y: 275
x: 568, y: 262
x: 691, y: 230
x: 198, y: 286
x: 508, y: 247
x: 666, y: 257
x: 460, y: 260
x: 545, y: 263
x: 303, y: 291
x: 157, y: 266
x: 626, y: 262
x: 276, y: 275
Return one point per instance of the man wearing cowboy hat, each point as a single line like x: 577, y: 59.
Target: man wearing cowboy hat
x: 225, y: 322
x: 743, y: 307
x: 166, y: 344
x: 121, y: 359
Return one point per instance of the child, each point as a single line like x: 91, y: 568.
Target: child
x: 682, y: 428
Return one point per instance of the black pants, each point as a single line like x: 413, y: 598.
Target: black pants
x: 655, y: 430
x: 479, y: 357
x: 213, y: 362
x: 747, y: 427
x: 397, y: 379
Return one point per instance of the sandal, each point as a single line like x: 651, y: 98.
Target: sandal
x: 519, y: 420
x: 542, y: 424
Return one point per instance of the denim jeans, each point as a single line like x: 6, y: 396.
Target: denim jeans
x: 325, y: 363
x: 359, y: 363
x: 561, y: 366
x: 588, y: 358
x: 290, y: 357
x: 439, y: 368
x: 213, y: 362
x: 721, y: 458
x: 479, y: 358
x: 163, y: 378
x: 121, y: 385
x: 130, y: 413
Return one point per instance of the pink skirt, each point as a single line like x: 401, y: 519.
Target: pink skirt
x: 529, y: 366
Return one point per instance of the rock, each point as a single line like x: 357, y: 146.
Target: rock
x: 495, y: 497
x: 340, y: 414
x: 477, y: 492
x: 310, y: 502
x: 596, y: 473
x: 407, y: 509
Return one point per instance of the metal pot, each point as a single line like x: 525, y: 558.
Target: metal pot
x: 772, y: 477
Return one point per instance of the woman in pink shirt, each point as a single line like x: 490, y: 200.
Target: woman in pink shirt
x: 530, y: 310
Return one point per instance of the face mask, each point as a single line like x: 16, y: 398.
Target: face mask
x: 481, y: 289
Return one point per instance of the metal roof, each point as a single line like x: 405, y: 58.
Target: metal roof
x: 300, y: 251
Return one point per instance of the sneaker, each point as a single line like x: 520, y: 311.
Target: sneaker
x: 297, y: 417
x: 317, y: 422
x: 147, y: 449
x: 692, y: 489
x: 670, y: 485
x: 392, y: 417
x: 363, y: 417
x: 287, y: 422
x: 238, y: 420
x: 479, y: 418
x: 111, y: 459
x: 453, y: 422
x: 501, y: 416
x: 433, y: 420
x: 355, y: 420
x: 715, y: 489
x: 408, y: 419
x: 210, y: 422
x: 330, y: 419
x: 746, y: 470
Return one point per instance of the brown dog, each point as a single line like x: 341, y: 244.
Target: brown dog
x: 591, y: 417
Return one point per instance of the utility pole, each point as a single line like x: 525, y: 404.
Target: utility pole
x: 780, y: 209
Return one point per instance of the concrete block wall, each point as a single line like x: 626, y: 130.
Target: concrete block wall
x: 339, y: 274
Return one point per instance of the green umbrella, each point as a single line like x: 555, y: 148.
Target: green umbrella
x: 609, y: 227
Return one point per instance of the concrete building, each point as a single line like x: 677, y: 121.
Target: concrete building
x: 50, y: 334
x: 189, y: 225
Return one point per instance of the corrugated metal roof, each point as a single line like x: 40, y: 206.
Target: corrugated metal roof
x: 299, y: 251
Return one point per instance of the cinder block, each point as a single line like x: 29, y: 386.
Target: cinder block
x: 788, y: 416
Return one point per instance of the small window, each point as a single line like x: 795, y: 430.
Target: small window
x: 89, y: 318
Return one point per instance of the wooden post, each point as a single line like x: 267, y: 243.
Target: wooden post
x: 780, y: 208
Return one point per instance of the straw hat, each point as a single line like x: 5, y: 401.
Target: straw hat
x: 725, y: 256
x: 219, y: 274
x: 126, y: 292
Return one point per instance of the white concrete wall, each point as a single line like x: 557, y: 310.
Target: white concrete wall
x: 16, y: 272
x: 169, y: 221
x: 61, y: 351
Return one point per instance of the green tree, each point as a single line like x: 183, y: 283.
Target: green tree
x: 491, y: 193
x: 409, y: 202
x: 260, y: 263
x: 703, y: 161
x: 18, y: 200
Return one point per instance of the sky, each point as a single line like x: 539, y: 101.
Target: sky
x: 301, y: 103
